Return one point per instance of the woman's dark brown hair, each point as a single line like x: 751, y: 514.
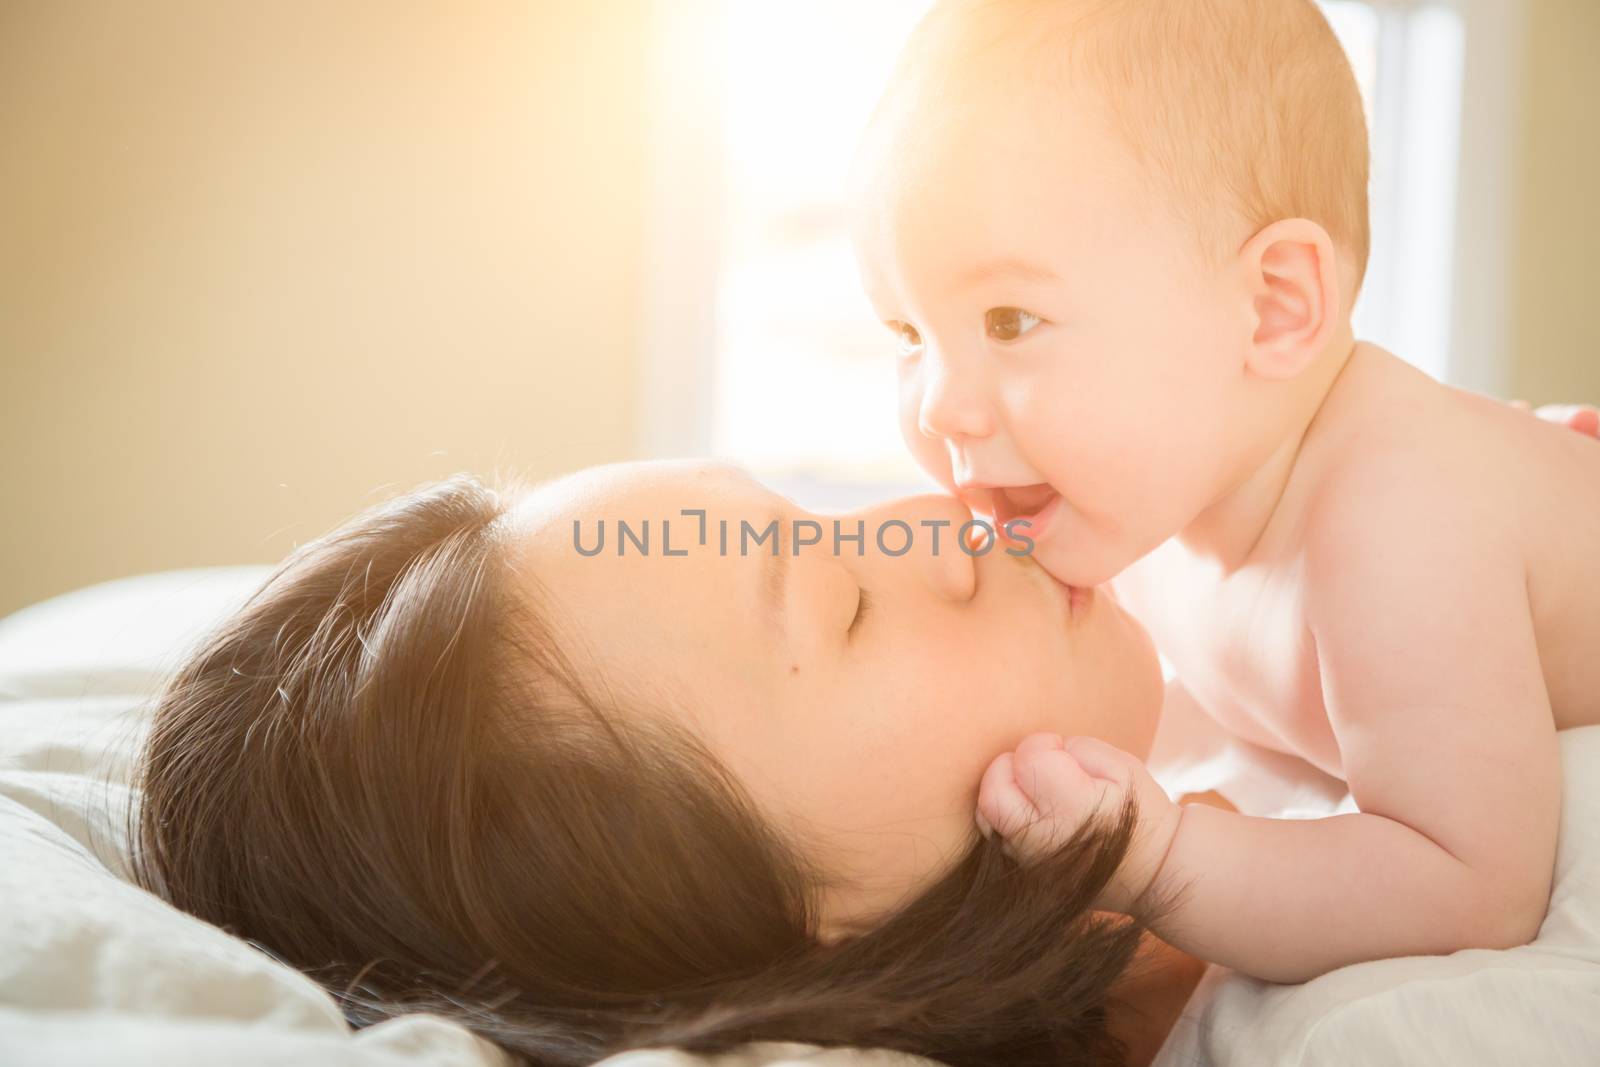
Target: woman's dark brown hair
x: 382, y: 771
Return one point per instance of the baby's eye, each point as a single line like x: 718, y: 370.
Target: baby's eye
x: 1008, y: 324
x: 910, y: 341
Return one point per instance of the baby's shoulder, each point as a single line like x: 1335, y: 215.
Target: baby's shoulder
x: 1395, y: 449
x: 1418, y: 480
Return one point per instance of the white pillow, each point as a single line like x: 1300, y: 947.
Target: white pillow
x: 93, y: 969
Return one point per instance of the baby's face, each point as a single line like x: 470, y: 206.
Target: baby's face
x: 857, y: 695
x: 1065, y: 354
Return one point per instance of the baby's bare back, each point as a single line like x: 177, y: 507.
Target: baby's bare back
x: 1419, y: 616
x: 1239, y: 642
x: 1549, y: 477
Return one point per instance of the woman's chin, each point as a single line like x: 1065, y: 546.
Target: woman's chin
x: 1151, y: 686
x: 1130, y: 665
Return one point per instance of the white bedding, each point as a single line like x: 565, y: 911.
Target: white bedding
x: 1538, y: 1004
x: 93, y: 970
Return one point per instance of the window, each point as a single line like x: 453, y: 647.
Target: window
x: 1408, y: 61
x: 805, y: 375
x: 795, y: 377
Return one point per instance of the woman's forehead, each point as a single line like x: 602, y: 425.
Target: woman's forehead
x: 638, y: 490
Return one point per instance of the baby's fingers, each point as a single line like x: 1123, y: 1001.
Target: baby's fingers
x: 1583, y: 418
x: 1054, y: 779
x: 1036, y: 796
x: 1103, y: 760
x: 1126, y: 772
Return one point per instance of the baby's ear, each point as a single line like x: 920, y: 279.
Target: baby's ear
x: 1291, y: 272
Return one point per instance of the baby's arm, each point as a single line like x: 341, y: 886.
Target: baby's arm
x: 1419, y: 608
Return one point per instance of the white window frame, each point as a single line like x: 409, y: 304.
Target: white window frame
x: 1487, y: 189
x: 684, y: 179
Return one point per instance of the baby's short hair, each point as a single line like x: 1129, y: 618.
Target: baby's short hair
x: 1245, y: 111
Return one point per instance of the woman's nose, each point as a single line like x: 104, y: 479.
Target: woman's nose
x: 953, y: 405
x: 919, y: 540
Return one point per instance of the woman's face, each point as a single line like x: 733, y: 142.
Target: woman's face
x: 857, y: 695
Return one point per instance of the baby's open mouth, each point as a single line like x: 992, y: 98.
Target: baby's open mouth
x: 1020, y: 502
x: 1017, y: 503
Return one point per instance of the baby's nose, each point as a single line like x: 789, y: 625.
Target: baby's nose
x: 954, y: 405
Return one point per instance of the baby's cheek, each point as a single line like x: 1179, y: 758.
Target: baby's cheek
x: 1045, y: 423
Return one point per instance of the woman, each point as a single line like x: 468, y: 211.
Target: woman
x: 453, y: 757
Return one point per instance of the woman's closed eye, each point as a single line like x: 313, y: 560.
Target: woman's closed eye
x: 863, y: 605
x: 1008, y: 324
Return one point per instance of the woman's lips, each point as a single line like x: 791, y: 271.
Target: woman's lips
x: 1076, y: 599
x: 1037, y: 505
x: 1079, y: 598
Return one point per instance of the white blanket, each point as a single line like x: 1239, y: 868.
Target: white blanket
x: 1538, y: 1004
x: 93, y: 970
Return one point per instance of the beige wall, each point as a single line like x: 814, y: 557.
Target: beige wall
x: 261, y: 263
x: 1555, y: 331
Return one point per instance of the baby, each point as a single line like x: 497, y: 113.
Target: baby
x: 1118, y: 242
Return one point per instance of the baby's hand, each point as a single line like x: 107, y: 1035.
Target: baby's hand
x: 1038, y: 795
x: 1584, y: 418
